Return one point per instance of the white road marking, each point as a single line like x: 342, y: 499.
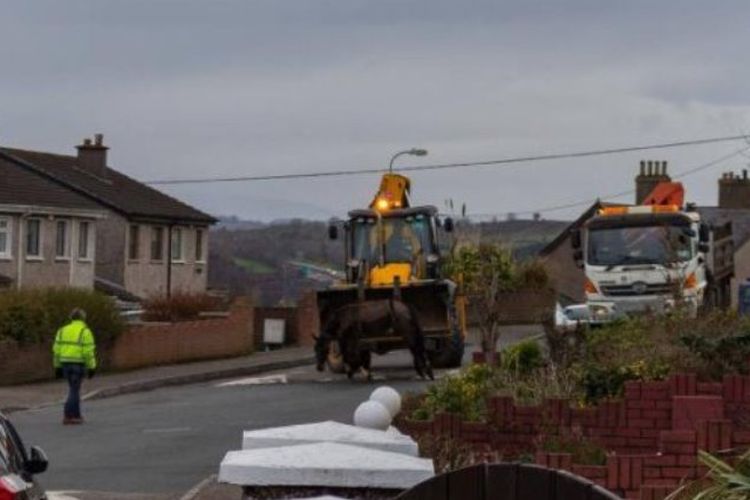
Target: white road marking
x: 167, y: 430
x: 271, y: 379
x: 61, y: 495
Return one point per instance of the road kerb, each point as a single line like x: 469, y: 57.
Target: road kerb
x: 175, y: 380
x: 193, y: 378
x: 196, y: 490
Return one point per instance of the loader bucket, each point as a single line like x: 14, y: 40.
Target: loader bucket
x: 431, y: 301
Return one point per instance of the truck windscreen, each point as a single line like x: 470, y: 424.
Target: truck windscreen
x: 633, y: 245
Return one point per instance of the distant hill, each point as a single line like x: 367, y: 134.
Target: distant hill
x: 276, y: 262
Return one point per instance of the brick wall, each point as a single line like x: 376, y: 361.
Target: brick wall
x: 165, y: 343
x: 652, y: 435
x: 19, y: 364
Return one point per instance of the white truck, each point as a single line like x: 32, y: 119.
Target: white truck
x: 654, y: 257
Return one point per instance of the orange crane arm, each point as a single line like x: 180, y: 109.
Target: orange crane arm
x: 666, y: 193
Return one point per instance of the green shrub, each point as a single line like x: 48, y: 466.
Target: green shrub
x: 179, y: 307
x: 523, y: 357
x: 464, y: 394
x: 34, y: 316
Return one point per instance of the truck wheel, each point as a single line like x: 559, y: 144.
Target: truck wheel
x: 335, y: 360
x: 450, y: 356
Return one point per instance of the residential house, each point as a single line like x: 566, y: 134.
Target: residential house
x: 47, y: 231
x: 149, y: 243
x: 731, y: 222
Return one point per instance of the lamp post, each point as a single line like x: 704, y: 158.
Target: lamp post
x: 412, y: 151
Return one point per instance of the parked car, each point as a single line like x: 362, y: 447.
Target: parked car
x: 19, y: 466
x: 569, y: 318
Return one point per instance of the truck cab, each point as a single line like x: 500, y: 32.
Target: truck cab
x: 644, y: 259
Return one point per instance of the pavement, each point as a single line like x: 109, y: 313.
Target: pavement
x: 31, y: 396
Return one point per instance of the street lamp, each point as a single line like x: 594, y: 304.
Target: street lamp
x: 412, y: 151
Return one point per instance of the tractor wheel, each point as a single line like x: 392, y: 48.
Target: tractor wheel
x: 450, y: 356
x: 335, y: 360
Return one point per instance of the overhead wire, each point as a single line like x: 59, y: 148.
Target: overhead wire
x: 443, y: 166
x: 589, y: 201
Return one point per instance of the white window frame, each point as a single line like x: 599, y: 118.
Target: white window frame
x: 178, y: 256
x: 67, y: 245
x: 40, y: 239
x: 200, y: 246
x: 89, y: 256
x: 8, y: 231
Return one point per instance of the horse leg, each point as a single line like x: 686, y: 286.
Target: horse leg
x: 367, y: 364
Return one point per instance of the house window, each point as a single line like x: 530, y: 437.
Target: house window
x: 62, y: 238
x: 157, y: 243
x: 134, y: 242
x: 6, y: 240
x: 84, y: 240
x: 33, y: 238
x: 176, y: 250
x: 199, y: 245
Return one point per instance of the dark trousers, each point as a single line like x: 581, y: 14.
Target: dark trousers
x: 73, y: 373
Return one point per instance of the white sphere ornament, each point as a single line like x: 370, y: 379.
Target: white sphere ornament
x: 388, y: 397
x: 372, y: 415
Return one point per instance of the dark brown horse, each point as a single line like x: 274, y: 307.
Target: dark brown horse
x: 353, y: 322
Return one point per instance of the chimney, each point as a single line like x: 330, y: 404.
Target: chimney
x: 92, y: 157
x: 734, y: 191
x: 651, y: 174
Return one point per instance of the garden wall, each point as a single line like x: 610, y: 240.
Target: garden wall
x: 152, y: 344
x: 653, y: 434
x: 147, y: 344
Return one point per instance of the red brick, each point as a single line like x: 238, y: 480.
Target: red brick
x: 678, y: 436
x: 661, y: 460
x: 633, y: 414
x: 656, y: 414
x: 677, y: 472
x: 655, y: 394
x: 686, y: 460
x: 641, y: 423
x: 641, y: 404
x: 651, y: 472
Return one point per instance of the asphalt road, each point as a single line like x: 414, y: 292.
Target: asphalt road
x: 166, y: 441
x: 163, y: 442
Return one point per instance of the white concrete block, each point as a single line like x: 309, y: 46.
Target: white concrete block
x: 324, y: 464
x: 330, y: 431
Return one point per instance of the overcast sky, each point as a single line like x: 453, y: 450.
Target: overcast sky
x: 246, y: 87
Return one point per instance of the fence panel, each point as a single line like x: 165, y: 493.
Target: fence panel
x: 501, y: 481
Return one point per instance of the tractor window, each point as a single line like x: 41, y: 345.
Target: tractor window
x: 406, y: 239
x: 363, y: 234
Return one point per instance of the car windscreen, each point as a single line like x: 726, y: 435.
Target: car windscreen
x: 633, y: 245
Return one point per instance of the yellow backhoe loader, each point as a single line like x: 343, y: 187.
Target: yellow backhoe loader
x: 392, y: 250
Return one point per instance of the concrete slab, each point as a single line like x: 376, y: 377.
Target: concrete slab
x: 333, y: 432
x: 324, y: 464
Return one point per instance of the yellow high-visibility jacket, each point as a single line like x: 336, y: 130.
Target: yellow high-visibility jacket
x: 74, y: 343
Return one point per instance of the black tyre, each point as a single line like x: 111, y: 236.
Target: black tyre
x: 450, y: 356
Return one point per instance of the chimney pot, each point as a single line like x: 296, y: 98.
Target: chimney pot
x: 744, y: 174
x: 643, y: 167
x: 664, y: 168
x: 650, y: 167
x: 92, y: 158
